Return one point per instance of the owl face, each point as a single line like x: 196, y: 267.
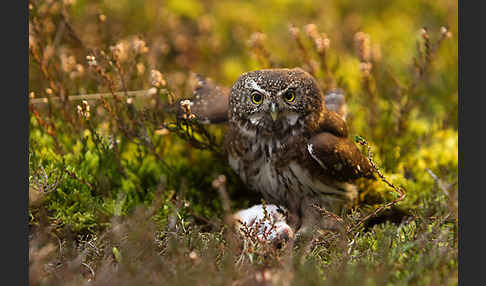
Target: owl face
x: 271, y: 102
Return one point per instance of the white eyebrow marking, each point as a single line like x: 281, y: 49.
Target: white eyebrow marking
x: 283, y: 91
x: 252, y: 84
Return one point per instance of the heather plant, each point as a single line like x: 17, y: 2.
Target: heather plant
x: 124, y: 189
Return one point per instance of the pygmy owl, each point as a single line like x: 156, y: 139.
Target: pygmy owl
x: 286, y: 140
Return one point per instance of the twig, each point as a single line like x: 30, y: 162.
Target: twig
x: 330, y: 214
x: 400, y: 191
x: 220, y: 184
x: 321, y: 46
x: 345, y: 227
x: 44, y: 186
x: 134, y: 93
x: 422, y: 63
x: 257, y: 47
x: 295, y: 33
x: 439, y: 182
x: 90, y: 269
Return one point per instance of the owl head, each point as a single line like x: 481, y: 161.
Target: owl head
x: 275, y: 102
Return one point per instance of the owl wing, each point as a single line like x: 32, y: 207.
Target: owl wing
x: 210, y: 102
x: 333, y: 123
x: 339, y: 157
x: 336, y: 102
x: 334, y: 119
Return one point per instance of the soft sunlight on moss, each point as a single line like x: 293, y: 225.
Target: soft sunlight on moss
x: 188, y: 8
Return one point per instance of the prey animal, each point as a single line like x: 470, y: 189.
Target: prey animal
x: 286, y: 140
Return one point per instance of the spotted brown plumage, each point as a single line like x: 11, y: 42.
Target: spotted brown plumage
x: 285, y: 142
x: 210, y: 101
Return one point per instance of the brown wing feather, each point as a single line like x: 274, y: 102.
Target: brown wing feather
x: 333, y: 123
x: 334, y: 118
x: 339, y: 157
x: 210, y: 102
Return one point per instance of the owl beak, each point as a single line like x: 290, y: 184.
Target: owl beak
x: 274, y: 111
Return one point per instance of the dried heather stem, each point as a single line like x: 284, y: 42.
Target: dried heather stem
x: 321, y: 44
x: 362, y: 43
x: 262, y: 54
x: 399, y: 190
x: 421, y: 64
x: 295, y: 33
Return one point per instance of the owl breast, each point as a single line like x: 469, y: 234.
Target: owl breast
x: 281, y: 181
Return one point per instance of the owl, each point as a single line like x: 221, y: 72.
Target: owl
x: 287, y: 141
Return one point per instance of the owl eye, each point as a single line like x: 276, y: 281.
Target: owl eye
x: 289, y: 96
x: 256, y: 97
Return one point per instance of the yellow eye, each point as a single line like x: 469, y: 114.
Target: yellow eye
x: 256, y: 97
x: 289, y: 96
